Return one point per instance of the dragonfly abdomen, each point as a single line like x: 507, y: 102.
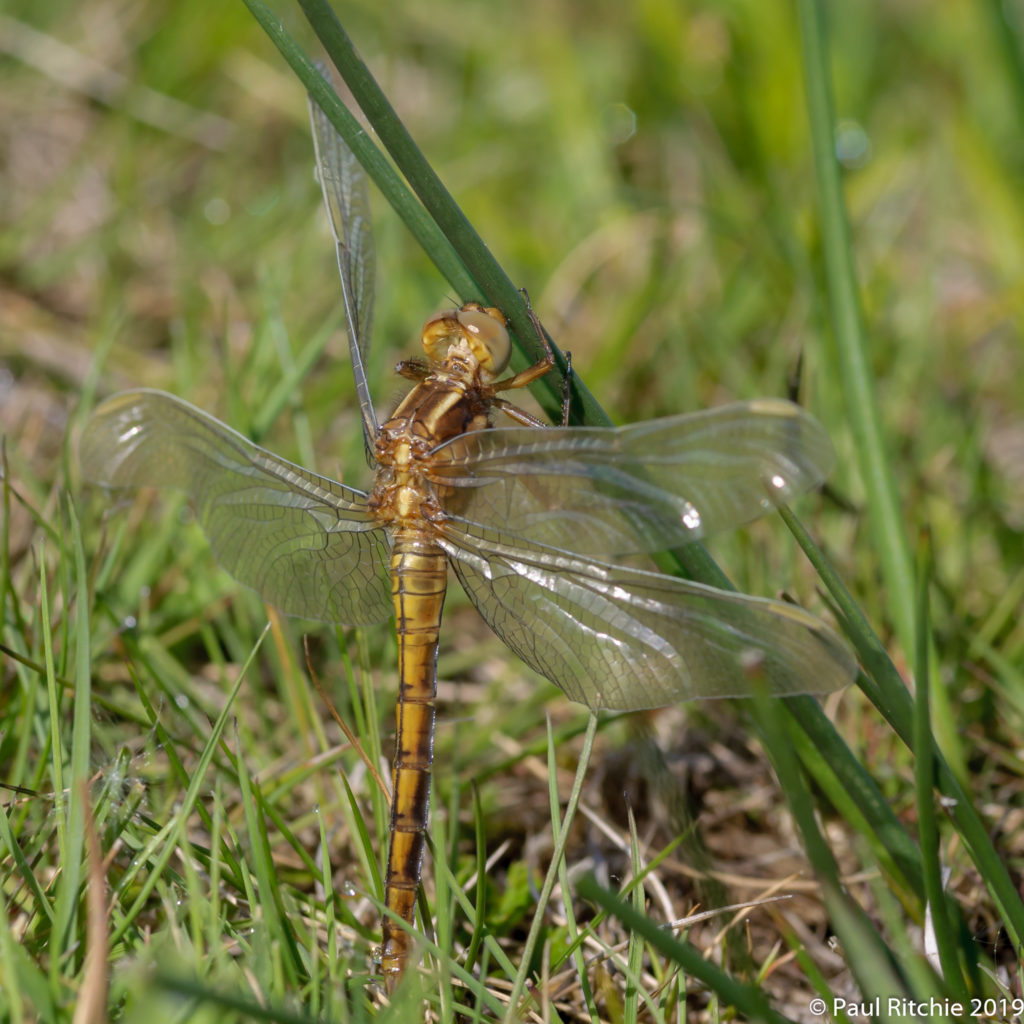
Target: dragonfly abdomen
x: 419, y: 574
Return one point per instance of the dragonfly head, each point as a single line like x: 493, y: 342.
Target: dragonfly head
x: 481, y: 329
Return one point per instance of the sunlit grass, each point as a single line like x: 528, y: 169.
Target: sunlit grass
x: 683, y: 264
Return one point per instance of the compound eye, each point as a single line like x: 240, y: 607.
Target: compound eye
x: 441, y: 331
x: 487, y: 337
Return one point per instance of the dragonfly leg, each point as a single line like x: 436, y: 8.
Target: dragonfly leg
x: 527, y: 376
x: 532, y: 373
x: 567, y: 389
x: 539, y: 368
x: 513, y: 412
x: 550, y: 358
x: 413, y: 369
x: 549, y: 362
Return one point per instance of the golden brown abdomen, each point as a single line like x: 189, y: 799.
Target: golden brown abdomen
x: 419, y: 575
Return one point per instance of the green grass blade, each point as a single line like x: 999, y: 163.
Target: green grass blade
x: 435, y: 220
x: 67, y: 802
x: 748, y: 999
x: 272, y: 915
x: 868, y: 955
x: 635, y: 954
x: 1007, y: 22
x: 24, y: 985
x: 897, y: 709
x: 573, y: 930
x: 81, y: 732
x: 480, y: 901
x: 873, y: 451
x: 370, y: 863
x: 924, y: 780
x: 557, y: 855
x: 437, y: 201
x: 852, y: 790
x: 247, y: 1006
x: 174, y: 830
x: 376, y: 165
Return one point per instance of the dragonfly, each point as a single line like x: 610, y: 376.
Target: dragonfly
x: 533, y: 519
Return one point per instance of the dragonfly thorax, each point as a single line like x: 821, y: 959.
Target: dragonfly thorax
x: 443, y: 405
x: 402, y: 496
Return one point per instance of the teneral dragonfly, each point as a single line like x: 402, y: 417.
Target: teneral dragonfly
x: 530, y: 520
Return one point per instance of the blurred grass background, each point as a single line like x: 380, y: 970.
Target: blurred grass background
x: 646, y: 174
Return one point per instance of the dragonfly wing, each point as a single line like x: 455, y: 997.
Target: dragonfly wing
x: 638, y: 488
x: 626, y: 639
x: 305, y: 543
x: 347, y: 199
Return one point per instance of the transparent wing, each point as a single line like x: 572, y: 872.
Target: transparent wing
x: 347, y: 199
x: 305, y: 543
x: 625, y: 639
x: 639, y: 488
